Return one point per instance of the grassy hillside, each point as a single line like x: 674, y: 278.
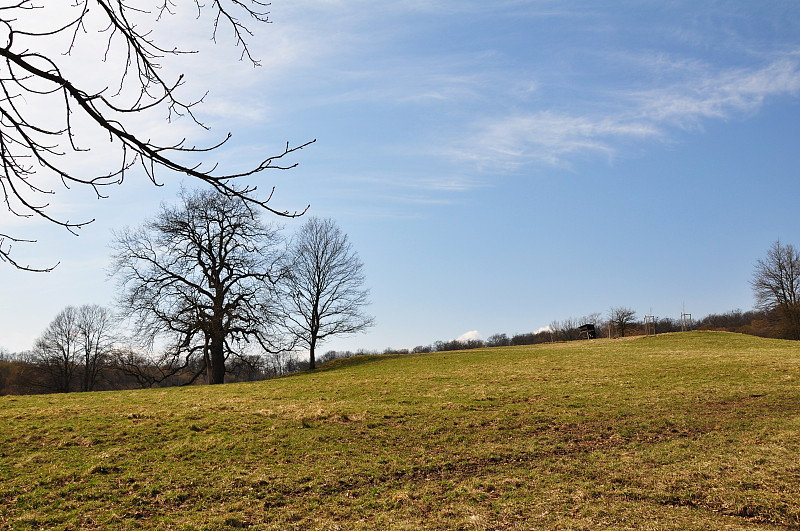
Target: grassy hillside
x: 681, y: 431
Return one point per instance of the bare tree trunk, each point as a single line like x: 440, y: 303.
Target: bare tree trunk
x: 217, y: 375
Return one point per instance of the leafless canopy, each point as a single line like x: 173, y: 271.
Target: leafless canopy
x: 621, y: 318
x: 75, y: 347
x: 325, y: 290
x: 201, y: 276
x: 776, y: 286
x: 35, y: 149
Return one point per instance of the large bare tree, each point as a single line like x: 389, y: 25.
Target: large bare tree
x: 47, y: 112
x: 201, y: 275
x: 325, y: 290
x: 776, y: 286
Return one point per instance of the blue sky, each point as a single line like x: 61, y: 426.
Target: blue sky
x: 497, y: 165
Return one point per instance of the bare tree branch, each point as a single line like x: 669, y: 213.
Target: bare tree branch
x: 32, y: 150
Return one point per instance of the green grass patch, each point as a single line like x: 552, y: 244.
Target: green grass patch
x: 681, y: 431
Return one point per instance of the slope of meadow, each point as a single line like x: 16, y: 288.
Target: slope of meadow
x: 682, y: 431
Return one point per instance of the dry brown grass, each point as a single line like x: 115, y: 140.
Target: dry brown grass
x: 682, y: 431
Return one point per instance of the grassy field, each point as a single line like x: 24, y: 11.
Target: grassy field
x: 682, y: 431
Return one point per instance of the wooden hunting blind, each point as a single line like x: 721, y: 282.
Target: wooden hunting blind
x: 588, y: 331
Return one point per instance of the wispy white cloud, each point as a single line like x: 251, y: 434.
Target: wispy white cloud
x: 414, y: 182
x: 553, y: 137
x: 453, y: 183
x: 547, y: 137
x: 720, y: 95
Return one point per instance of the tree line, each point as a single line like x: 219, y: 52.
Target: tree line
x: 126, y: 368
x: 753, y: 322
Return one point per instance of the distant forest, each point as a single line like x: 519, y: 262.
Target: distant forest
x: 21, y: 373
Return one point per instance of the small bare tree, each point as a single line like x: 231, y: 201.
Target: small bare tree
x: 325, y: 296
x: 776, y: 286
x: 75, y: 346
x: 56, y: 351
x: 96, y: 331
x: 621, y: 319
x: 38, y: 39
